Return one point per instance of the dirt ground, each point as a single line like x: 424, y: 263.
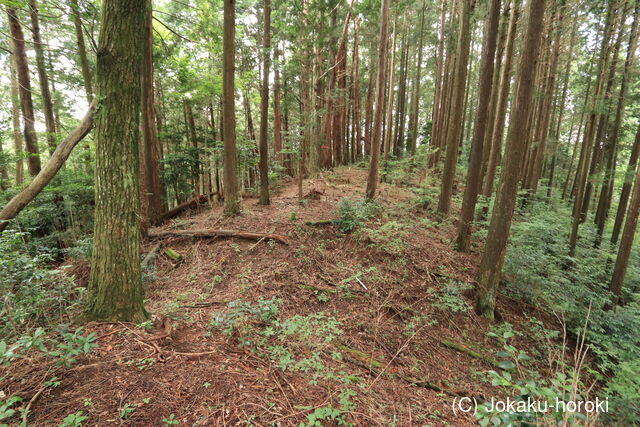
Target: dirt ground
x: 397, y: 293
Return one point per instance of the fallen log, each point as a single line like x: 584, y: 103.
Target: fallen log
x: 464, y: 349
x: 50, y: 169
x: 191, y: 204
x: 219, y: 233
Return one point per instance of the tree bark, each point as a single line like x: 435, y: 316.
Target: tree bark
x: 372, y: 179
x: 150, y: 129
x: 231, y: 201
x: 626, y: 243
x: 612, y: 138
x: 115, y: 283
x: 15, y: 117
x: 82, y: 50
x: 470, y: 198
x: 277, y: 115
x: 455, y: 122
x: 49, y: 119
x: 415, y: 107
x: 264, y: 107
x: 26, y: 102
x: 494, y: 252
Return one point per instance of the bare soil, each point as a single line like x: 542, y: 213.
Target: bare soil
x: 386, y: 294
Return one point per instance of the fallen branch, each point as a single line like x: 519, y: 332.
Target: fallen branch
x: 191, y: 204
x: 320, y: 222
x: 150, y: 256
x: 219, y: 233
x: 377, y: 368
x: 50, y: 169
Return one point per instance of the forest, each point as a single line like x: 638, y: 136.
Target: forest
x: 319, y: 212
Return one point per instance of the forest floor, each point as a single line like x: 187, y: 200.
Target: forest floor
x: 363, y: 328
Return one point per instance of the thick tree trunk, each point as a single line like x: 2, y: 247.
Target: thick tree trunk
x: 264, y: 107
x: 49, y: 119
x: 494, y: 252
x: 372, y: 179
x: 455, y: 122
x: 115, y: 284
x: 470, y: 198
x: 59, y: 156
x: 26, y: 102
x: 150, y: 130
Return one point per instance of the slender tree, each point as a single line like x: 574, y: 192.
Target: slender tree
x: 82, y: 50
x: 372, y: 179
x: 455, y: 116
x: 15, y: 117
x: 264, y: 107
x: 493, y: 255
x: 24, y: 92
x: 115, y: 283
x: 477, y: 144
x: 47, y: 104
x: 626, y: 243
x: 231, y: 201
x: 149, y: 127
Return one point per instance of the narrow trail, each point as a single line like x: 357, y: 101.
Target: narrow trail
x: 382, y: 304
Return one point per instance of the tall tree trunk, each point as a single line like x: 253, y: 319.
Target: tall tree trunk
x: 438, y: 104
x: 612, y: 139
x: 115, y: 283
x: 626, y: 243
x: 264, y: 107
x: 493, y: 255
x: 470, y: 198
x: 590, y: 130
x: 49, y: 119
x: 149, y: 128
x: 415, y: 107
x: 193, y: 141
x: 15, y: 117
x: 626, y: 190
x: 372, y: 179
x: 455, y: 123
x: 277, y: 115
x: 542, y: 132
x: 82, y: 50
x: 231, y: 202
x: 389, y: 108
x: 24, y: 86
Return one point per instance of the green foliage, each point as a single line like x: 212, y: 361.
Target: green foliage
x: 351, y: 214
x: 6, y: 410
x: 448, y: 297
x: 541, y: 272
x: 32, y: 293
x: 389, y: 238
x: 241, y: 318
x: 74, y: 420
